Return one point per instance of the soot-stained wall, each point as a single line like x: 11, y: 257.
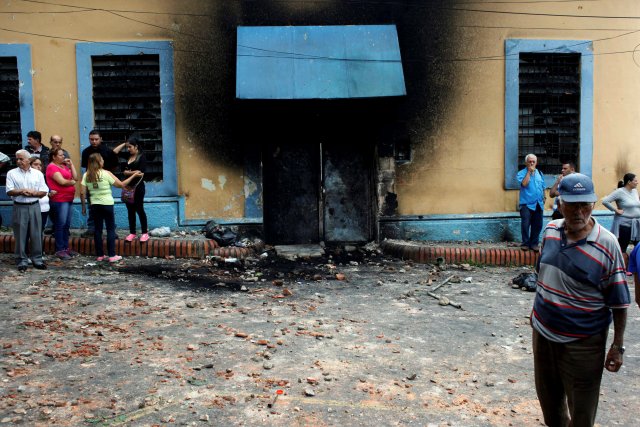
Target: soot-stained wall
x: 216, y: 130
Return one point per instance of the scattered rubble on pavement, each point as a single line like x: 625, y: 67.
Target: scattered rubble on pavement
x: 348, y: 338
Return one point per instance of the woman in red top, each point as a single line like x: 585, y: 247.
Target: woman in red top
x: 62, y: 177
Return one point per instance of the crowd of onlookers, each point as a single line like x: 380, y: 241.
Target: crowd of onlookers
x: 43, y: 186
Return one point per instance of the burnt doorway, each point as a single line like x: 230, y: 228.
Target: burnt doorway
x: 318, y: 191
x: 317, y: 166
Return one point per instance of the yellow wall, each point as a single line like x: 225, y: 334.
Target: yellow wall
x: 458, y: 159
x: 212, y: 184
x: 459, y: 167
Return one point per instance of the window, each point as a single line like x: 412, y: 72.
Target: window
x: 126, y: 101
x: 16, y: 102
x: 126, y: 89
x: 548, y: 106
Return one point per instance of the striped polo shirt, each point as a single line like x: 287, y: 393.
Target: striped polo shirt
x: 578, y: 284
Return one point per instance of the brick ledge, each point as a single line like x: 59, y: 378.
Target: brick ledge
x: 179, y: 248
x: 459, y: 254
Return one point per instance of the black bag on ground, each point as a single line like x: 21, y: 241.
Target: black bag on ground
x: 526, y: 281
x: 224, y: 236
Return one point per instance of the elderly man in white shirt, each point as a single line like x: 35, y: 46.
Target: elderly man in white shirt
x: 26, y: 186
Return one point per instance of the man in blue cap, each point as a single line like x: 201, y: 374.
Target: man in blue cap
x: 581, y: 288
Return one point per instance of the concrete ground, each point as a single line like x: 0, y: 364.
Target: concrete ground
x: 351, y: 339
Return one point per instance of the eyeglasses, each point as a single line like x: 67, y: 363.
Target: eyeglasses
x: 578, y: 205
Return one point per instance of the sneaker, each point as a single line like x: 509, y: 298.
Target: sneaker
x: 72, y: 253
x: 115, y: 258
x: 63, y: 255
x: 130, y: 238
x: 101, y: 258
x: 144, y: 237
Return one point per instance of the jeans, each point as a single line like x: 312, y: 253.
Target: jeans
x: 104, y: 214
x: 568, y: 378
x: 531, y: 225
x: 62, y: 223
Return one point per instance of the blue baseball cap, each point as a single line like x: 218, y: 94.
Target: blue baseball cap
x: 576, y: 187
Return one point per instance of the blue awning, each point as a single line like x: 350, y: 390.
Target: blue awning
x: 310, y: 62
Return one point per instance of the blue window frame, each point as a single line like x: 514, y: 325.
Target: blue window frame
x: 22, y: 55
x: 513, y: 50
x: 86, y: 112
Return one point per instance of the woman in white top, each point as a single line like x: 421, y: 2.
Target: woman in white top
x: 626, y: 221
x: 36, y: 163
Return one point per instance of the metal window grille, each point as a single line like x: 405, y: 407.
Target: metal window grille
x: 126, y: 101
x: 549, y: 109
x: 10, y: 129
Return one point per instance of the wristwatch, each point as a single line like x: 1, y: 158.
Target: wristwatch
x: 620, y: 348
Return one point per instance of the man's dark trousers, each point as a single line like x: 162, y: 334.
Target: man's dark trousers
x: 568, y: 377
x: 531, y: 225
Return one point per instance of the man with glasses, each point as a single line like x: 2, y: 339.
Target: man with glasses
x: 26, y: 186
x: 581, y: 288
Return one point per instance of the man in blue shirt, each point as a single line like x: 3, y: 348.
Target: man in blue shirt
x: 581, y: 288
x: 531, y: 203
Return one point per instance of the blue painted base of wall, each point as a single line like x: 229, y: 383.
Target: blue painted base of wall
x: 495, y: 227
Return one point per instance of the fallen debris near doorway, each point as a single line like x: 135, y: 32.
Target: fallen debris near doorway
x: 294, y: 252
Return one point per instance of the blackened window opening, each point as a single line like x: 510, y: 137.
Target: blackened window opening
x: 549, y: 109
x: 126, y: 101
x: 10, y: 128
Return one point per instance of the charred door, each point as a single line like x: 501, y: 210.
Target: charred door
x: 291, y: 182
x: 347, y: 210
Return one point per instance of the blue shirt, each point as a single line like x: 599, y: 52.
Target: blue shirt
x: 578, y: 284
x: 634, y: 259
x: 533, y: 194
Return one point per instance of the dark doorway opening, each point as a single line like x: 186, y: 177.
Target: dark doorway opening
x: 317, y: 166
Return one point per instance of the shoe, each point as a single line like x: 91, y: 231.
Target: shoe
x: 72, y: 253
x: 130, y: 237
x: 48, y: 231
x: 535, y: 248
x: 524, y: 247
x: 101, y: 258
x: 88, y: 233
x: 22, y: 268
x: 115, y: 258
x: 144, y: 237
x: 63, y: 255
x: 40, y: 266
x: 628, y: 273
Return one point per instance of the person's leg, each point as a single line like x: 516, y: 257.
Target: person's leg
x: 525, y: 224
x: 91, y: 218
x: 20, y: 224
x: 536, y: 227
x: 35, y: 233
x: 58, y: 216
x: 582, y: 367
x: 131, y: 215
x: 110, y: 221
x: 624, y: 237
x: 66, y: 224
x: 44, y: 216
x: 549, y: 387
x: 97, y: 233
x: 139, y: 204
